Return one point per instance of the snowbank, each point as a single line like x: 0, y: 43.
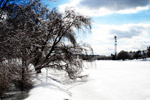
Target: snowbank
x: 47, y: 91
x: 48, y: 88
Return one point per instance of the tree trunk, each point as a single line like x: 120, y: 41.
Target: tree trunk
x: 22, y: 80
x: 24, y: 68
x: 38, y: 70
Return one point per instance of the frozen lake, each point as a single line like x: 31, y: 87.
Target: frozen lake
x: 108, y: 80
x: 115, y: 80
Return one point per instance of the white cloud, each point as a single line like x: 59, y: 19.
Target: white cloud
x: 132, y: 10
x: 130, y: 36
x: 101, y: 10
x: 114, y: 4
x: 102, y: 38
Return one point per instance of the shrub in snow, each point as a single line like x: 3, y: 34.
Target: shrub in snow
x: 24, y: 83
x: 5, y: 79
x: 12, y: 77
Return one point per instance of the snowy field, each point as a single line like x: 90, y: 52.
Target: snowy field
x: 108, y: 80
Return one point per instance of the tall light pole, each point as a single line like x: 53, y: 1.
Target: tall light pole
x: 115, y: 37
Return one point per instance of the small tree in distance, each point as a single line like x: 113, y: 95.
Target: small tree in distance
x: 148, y: 51
x: 123, y: 55
x: 137, y: 54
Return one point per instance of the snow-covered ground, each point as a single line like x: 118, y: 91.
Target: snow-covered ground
x: 108, y: 80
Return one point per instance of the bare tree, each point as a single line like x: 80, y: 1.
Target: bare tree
x: 55, y: 49
x: 42, y: 37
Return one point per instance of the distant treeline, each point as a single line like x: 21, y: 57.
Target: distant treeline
x: 122, y: 55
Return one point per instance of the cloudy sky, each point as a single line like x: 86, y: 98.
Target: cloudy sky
x: 129, y: 20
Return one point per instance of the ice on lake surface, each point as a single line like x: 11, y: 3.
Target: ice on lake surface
x: 115, y: 80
